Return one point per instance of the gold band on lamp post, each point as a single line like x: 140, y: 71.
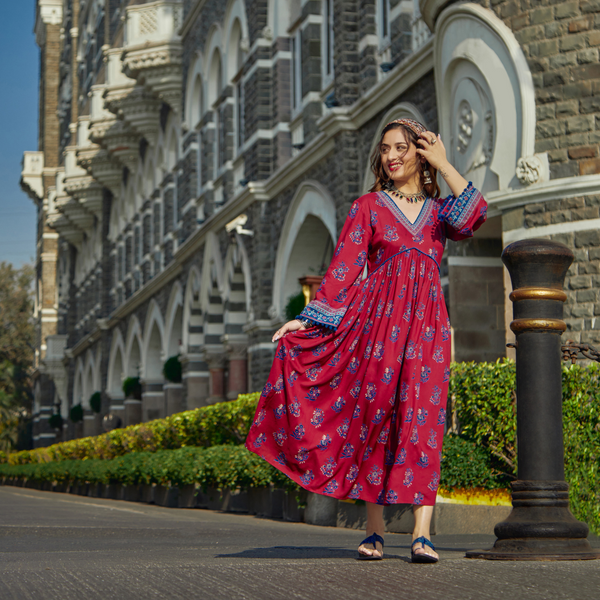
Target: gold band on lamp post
x: 532, y: 293
x: 519, y: 325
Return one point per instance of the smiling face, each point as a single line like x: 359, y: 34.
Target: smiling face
x: 399, y: 158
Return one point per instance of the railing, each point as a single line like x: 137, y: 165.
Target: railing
x: 154, y: 22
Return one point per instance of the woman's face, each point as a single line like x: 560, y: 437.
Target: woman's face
x: 399, y: 158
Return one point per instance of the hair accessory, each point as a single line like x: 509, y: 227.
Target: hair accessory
x: 413, y: 125
x: 427, y: 177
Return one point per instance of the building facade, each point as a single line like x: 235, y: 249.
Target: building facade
x: 197, y: 157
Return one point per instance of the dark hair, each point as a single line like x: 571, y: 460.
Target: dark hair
x: 381, y: 178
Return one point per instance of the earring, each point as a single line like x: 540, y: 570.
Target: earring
x: 427, y: 177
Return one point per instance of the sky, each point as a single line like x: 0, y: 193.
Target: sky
x: 19, y: 66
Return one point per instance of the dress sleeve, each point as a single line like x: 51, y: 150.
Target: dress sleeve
x: 465, y: 214
x: 349, y: 259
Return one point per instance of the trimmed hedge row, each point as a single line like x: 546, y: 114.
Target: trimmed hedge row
x: 223, y: 423
x: 225, y: 466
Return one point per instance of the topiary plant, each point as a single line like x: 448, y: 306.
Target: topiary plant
x: 96, y: 402
x: 172, y: 369
x: 56, y: 421
x: 295, y: 305
x: 76, y: 413
x: 132, y: 388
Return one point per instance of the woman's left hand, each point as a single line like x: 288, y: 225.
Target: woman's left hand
x: 432, y: 149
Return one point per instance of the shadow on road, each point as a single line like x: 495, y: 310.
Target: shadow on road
x: 296, y: 552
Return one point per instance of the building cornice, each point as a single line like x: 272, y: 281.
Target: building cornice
x: 49, y: 12
x: 555, y: 189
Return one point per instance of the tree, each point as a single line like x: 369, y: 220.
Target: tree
x: 16, y: 352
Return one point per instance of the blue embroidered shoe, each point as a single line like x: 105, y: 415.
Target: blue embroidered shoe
x: 422, y: 558
x: 372, y: 539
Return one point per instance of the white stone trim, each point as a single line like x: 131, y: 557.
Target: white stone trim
x: 189, y: 374
x: 262, y: 346
x: 522, y: 233
x: 474, y: 261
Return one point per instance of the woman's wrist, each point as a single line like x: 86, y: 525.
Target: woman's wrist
x: 304, y: 323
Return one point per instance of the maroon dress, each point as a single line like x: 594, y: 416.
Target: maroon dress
x: 354, y: 406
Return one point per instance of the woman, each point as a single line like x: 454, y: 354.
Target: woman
x: 355, y: 403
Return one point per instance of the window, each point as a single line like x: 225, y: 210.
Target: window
x: 383, y: 20
x: 296, y: 73
x: 241, y: 113
x: 327, y: 52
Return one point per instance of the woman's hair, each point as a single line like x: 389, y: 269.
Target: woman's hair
x: 381, y: 179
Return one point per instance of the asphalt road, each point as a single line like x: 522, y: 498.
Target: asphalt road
x: 58, y: 546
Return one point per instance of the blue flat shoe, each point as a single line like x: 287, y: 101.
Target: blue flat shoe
x: 422, y: 558
x: 372, y: 539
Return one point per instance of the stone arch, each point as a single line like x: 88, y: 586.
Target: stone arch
x: 153, y: 349
x: 174, y: 322
x: 310, y: 224
x: 116, y: 365
x: 236, y: 36
x: 90, y: 380
x: 214, y: 67
x: 237, y: 279
x: 172, y: 143
x: 193, y: 338
x: 133, y: 349
x: 402, y: 110
x: 485, y: 98
x: 195, y: 92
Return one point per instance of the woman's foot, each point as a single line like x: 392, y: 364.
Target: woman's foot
x: 422, y: 550
x: 372, y: 547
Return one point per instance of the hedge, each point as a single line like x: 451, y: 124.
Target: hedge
x: 223, y: 423
x: 481, y: 453
x: 225, y: 466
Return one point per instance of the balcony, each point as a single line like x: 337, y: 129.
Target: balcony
x: 133, y: 103
x: 32, y: 175
x: 80, y: 185
x: 69, y: 206
x: 95, y: 160
x: 112, y: 134
x: 152, y: 54
x: 59, y: 221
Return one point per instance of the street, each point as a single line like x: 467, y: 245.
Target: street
x: 59, y: 546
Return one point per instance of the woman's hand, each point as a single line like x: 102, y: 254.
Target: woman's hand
x: 433, y: 150
x: 289, y: 326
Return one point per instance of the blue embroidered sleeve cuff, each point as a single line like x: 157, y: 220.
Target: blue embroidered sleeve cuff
x: 323, y: 314
x: 457, y: 211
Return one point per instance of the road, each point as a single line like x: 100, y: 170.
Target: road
x: 64, y: 547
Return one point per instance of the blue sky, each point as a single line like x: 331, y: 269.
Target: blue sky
x: 19, y: 65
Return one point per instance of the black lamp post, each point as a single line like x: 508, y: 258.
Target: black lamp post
x: 540, y: 525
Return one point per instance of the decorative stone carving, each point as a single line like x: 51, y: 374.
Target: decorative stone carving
x: 532, y: 169
x: 486, y: 104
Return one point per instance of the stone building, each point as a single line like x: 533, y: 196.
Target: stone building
x: 197, y: 157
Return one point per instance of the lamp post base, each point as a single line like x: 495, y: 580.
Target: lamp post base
x: 540, y: 527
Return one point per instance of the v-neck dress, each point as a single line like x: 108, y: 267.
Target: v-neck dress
x: 355, y: 405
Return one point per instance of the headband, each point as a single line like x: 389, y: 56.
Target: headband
x: 413, y: 125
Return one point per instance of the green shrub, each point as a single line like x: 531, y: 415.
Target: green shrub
x: 172, y: 369
x: 55, y: 421
x: 467, y: 465
x: 76, y: 413
x: 223, y: 423
x: 132, y: 388
x: 96, y: 402
x: 220, y: 467
x: 295, y: 305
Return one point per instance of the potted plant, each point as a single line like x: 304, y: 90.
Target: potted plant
x: 172, y: 369
x: 96, y: 402
x: 132, y: 388
x: 76, y: 413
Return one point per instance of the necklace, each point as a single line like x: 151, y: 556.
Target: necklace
x: 410, y: 198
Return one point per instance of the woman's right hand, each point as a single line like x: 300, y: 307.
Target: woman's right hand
x: 289, y: 326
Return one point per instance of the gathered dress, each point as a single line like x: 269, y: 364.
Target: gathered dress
x: 355, y: 404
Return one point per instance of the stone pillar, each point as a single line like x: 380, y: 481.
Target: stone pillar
x: 89, y: 423
x: 133, y: 411
x: 153, y: 400
x: 196, y: 380
x: 117, y: 406
x: 237, y: 379
x: 173, y: 398
x: 216, y: 364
